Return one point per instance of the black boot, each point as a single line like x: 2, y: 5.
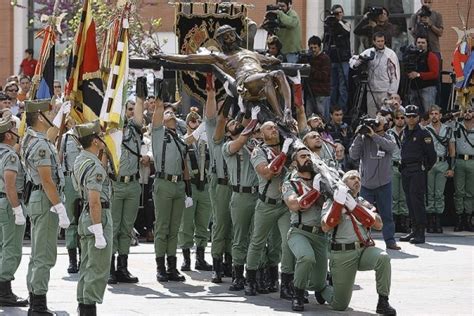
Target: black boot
x: 122, y: 274
x: 297, y: 303
x: 87, y: 310
x: 7, y: 298
x: 238, y: 282
x: 430, y: 228
x: 161, y: 275
x: 227, y: 265
x: 468, y: 223
x: 319, y: 298
x: 201, y: 263
x: 409, y: 236
x: 287, y: 290
x: 72, y: 261
x: 216, y: 270
x: 38, y: 306
x: 272, y: 279
x: 438, y: 226
x: 251, y: 288
x: 186, y: 266
x: 459, y: 223
x: 384, y: 308
x: 112, y: 276
x: 419, y: 237
x: 172, y: 272
x: 261, y: 285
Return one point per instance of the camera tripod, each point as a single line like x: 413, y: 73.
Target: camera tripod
x: 363, y: 87
x: 407, y: 91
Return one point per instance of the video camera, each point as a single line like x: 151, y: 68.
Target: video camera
x: 330, y: 18
x: 410, y: 56
x: 270, y: 22
x: 374, y: 12
x: 424, y: 11
x: 367, y: 122
x: 305, y: 57
x: 363, y: 67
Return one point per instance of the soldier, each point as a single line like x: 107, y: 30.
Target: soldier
x: 464, y: 174
x: 44, y: 205
x: 95, y: 222
x: 306, y: 239
x: 268, y: 160
x: 172, y: 190
x: 418, y: 156
x: 70, y: 149
x: 127, y: 191
x: 318, y: 146
x: 352, y: 247
x: 195, y: 219
x: 242, y: 177
x: 12, y: 214
x: 443, y: 142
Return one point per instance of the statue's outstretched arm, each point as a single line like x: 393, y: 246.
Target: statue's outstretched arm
x: 189, y: 59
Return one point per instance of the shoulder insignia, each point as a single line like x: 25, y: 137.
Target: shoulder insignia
x: 428, y: 140
x: 42, y: 153
x: 254, y: 152
x: 99, y: 177
x: 12, y: 159
x: 284, y: 189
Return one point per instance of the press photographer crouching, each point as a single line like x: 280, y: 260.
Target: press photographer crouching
x: 374, y: 148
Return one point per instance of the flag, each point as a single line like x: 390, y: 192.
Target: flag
x: 45, y: 88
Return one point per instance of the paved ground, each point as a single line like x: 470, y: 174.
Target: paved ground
x: 436, y: 278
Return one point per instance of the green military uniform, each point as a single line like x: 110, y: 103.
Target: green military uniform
x: 464, y: 175
x: 90, y: 175
x: 306, y: 240
x: 348, y: 255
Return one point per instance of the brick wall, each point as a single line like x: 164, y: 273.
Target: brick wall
x: 6, y: 41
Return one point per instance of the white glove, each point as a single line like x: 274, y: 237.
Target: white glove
x: 351, y: 203
x: 98, y: 232
x: 19, y: 217
x: 61, y: 211
x: 188, y: 202
x: 198, y: 131
x: 67, y: 107
x: 286, y: 145
x: 255, y: 111
x: 58, y: 118
x: 340, y: 194
x: 317, y: 182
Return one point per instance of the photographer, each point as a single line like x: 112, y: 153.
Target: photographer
x: 374, y: 148
x: 274, y: 46
x: 429, y: 23
x: 424, y: 80
x: 376, y: 20
x: 337, y: 45
x: 339, y: 130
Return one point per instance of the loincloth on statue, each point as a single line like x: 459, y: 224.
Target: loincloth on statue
x: 244, y: 92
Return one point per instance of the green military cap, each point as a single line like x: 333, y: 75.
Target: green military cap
x: 32, y: 106
x: 87, y: 129
x: 6, y: 124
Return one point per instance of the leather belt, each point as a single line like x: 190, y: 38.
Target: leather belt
x: 4, y: 195
x: 105, y: 204
x: 310, y: 229
x: 170, y: 177
x: 465, y: 157
x: 396, y: 163
x: 438, y: 159
x: 345, y: 247
x: 222, y: 181
x: 241, y: 189
x: 198, y: 182
x: 268, y: 200
x: 127, y: 179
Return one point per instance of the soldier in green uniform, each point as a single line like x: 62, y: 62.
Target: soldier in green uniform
x: 268, y: 160
x: 195, y: 219
x: 46, y: 211
x: 464, y: 172
x: 352, y: 248
x: 95, y: 222
x: 70, y: 149
x: 306, y: 239
x: 127, y: 190
x: 172, y: 190
x: 443, y: 142
x: 318, y: 146
x: 244, y: 182
x: 12, y: 214
x: 399, y: 203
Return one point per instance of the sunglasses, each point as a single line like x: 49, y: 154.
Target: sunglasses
x: 400, y: 118
x: 57, y: 87
x: 411, y: 116
x: 130, y: 109
x: 314, y: 136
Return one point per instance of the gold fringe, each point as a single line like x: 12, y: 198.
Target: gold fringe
x: 91, y: 75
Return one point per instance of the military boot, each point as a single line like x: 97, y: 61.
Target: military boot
x: 172, y: 272
x: 186, y: 266
x: 430, y: 228
x: 286, y: 288
x: 8, y: 298
x: 272, y: 279
x: 216, y: 270
x: 468, y: 223
x: 38, y: 306
x: 409, y: 236
x: 227, y: 265
x: 122, y: 274
x: 251, y: 288
x: 261, y: 285
x: 87, y: 310
x: 438, y: 226
x: 161, y: 275
x: 297, y: 303
x: 72, y: 261
x: 238, y: 282
x: 419, y: 237
x: 384, y: 308
x: 201, y: 263
x: 112, y: 276
x: 460, y: 219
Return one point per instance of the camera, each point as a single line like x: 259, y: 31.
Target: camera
x: 374, y: 12
x: 363, y: 68
x: 330, y: 18
x: 424, y: 11
x: 367, y: 122
x: 410, y: 56
x: 270, y: 23
x: 305, y: 57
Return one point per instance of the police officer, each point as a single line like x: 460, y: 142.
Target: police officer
x: 95, y: 222
x: 243, y: 179
x: 70, y: 149
x: 44, y: 204
x: 418, y: 156
x: 195, y: 219
x: 443, y: 141
x: 127, y: 190
x: 464, y: 172
x: 306, y: 239
x: 12, y: 214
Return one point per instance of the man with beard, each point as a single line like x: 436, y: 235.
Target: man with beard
x: 318, y: 146
x: 268, y: 160
x: 464, y: 174
x: 244, y: 182
x: 306, y: 239
x: 253, y: 83
x: 443, y: 141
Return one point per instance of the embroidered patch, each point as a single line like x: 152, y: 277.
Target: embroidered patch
x: 284, y: 189
x: 428, y: 140
x: 99, y: 177
x: 12, y: 159
x: 42, y: 153
x: 254, y: 153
